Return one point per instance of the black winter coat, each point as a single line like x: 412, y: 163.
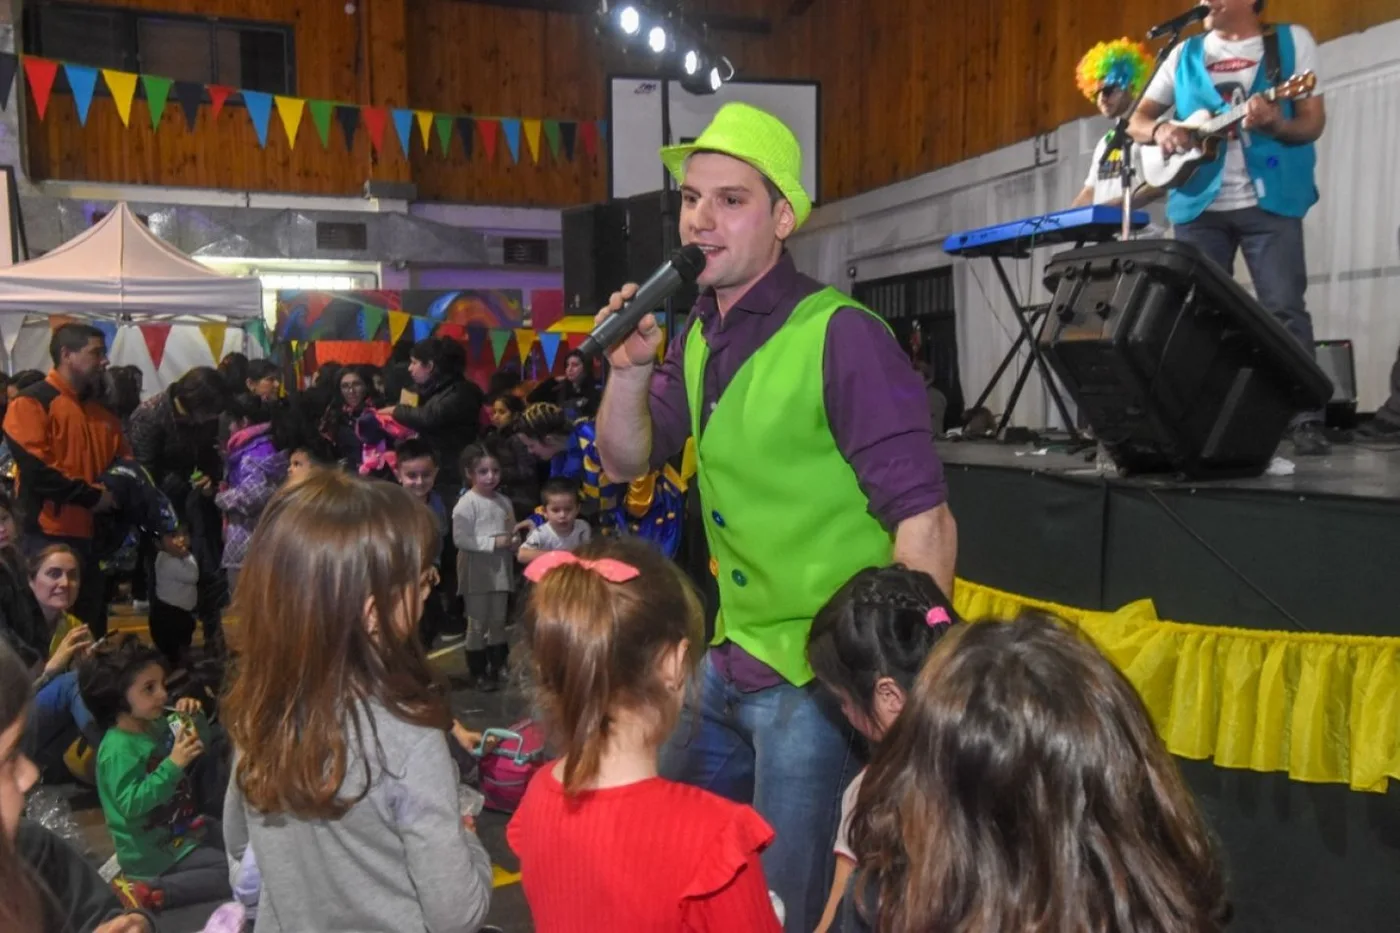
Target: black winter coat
x: 447, y: 416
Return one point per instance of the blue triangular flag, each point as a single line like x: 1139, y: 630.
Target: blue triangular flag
x: 259, y: 106
x: 83, y: 81
x: 403, y: 125
x: 511, y: 126
x: 602, y: 129
x: 422, y: 327
x: 109, y: 331
x: 549, y: 343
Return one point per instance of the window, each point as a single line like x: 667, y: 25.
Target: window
x: 920, y: 308
x: 256, y: 56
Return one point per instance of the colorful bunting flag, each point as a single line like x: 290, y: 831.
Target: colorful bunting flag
x: 259, y: 106
x: 9, y: 64
x: 488, y: 129
x: 499, y: 340
x: 155, y: 336
x: 190, y: 94
x: 602, y: 130
x: 532, y: 138
x: 122, y: 84
x: 422, y: 328
x: 290, y: 110
x: 574, y: 341
x: 371, y: 319
x: 214, y: 338
x: 524, y: 342
x: 398, y: 321
x: 218, y: 94
x: 452, y: 332
x: 157, y: 93
x: 568, y: 133
x: 476, y: 341
x: 375, y: 120
x: 349, y: 120
x: 551, y: 134
x: 321, y: 119
x: 465, y: 129
x: 549, y: 345
x: 588, y: 135
x: 39, y: 74
x: 443, y: 126
x: 109, y: 331
x: 403, y: 125
x: 425, y: 127
x: 511, y: 127
x: 82, y: 80
x: 10, y: 324
x: 258, y: 331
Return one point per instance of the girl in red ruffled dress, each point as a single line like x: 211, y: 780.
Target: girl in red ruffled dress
x: 605, y: 844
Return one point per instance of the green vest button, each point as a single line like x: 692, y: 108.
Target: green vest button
x: 718, y: 518
x: 739, y: 578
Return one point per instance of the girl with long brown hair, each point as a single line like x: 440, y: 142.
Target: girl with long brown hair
x: 1023, y: 787
x: 613, y: 632
x: 343, y: 783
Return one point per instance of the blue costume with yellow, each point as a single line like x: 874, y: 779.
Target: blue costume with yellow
x: 650, y: 508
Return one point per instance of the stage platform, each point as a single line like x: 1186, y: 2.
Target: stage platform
x: 1315, y: 551
x: 1311, y: 551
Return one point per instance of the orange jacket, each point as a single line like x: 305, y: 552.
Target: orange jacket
x: 61, y: 446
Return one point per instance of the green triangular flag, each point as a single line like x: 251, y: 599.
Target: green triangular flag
x: 551, y: 133
x: 157, y: 93
x: 499, y: 339
x: 443, y: 125
x: 258, y: 331
x: 321, y: 111
x: 371, y: 319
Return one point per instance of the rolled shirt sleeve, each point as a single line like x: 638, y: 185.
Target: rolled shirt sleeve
x: 877, y: 406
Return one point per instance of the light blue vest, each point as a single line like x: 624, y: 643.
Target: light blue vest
x: 1282, y: 172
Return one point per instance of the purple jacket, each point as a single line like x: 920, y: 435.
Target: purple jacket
x: 255, y: 470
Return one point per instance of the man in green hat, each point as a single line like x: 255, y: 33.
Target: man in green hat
x: 815, y: 459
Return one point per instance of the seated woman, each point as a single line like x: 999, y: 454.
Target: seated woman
x: 650, y: 508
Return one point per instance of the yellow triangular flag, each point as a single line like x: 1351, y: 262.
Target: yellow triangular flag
x: 525, y: 341
x: 214, y: 336
x: 398, y: 323
x: 290, y: 110
x: 425, y: 125
x: 123, y: 87
x: 532, y: 137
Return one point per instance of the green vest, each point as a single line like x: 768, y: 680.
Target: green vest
x: 786, y: 519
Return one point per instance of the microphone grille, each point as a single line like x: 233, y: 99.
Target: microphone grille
x: 689, y: 262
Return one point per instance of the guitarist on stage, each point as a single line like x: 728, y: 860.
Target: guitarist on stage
x: 1254, y: 198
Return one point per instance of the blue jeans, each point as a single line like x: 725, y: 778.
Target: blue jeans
x: 786, y: 750
x: 1273, y: 251
x: 56, y: 718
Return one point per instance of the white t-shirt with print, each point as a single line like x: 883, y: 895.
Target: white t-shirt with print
x: 545, y: 538
x: 1106, y: 177
x: 1232, y: 67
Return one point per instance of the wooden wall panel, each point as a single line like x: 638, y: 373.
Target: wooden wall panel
x: 908, y: 86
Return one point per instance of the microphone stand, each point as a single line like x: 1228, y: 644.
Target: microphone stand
x: 1121, y: 139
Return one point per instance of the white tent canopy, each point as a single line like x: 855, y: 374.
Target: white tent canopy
x: 120, y: 269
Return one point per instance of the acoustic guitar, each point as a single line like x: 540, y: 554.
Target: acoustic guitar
x: 1208, y: 133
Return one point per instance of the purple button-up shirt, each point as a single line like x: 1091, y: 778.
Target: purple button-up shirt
x: 876, y: 404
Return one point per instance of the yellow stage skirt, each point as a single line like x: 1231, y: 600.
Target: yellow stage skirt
x: 1323, y: 708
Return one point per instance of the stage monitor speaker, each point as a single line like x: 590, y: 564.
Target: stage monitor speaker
x: 595, y: 255
x: 1175, y: 366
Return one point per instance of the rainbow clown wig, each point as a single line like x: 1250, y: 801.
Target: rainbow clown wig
x: 1120, y: 63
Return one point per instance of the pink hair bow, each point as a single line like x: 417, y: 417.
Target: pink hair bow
x: 936, y: 616
x: 614, y: 571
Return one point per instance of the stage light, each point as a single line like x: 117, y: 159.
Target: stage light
x: 630, y: 20
x: 715, y: 81
x: 692, y: 62
x: 656, y: 39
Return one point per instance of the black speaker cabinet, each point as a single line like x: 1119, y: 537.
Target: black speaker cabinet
x: 595, y: 255
x: 1175, y: 366
x: 649, y: 234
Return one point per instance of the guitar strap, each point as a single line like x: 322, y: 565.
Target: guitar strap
x: 1273, y: 61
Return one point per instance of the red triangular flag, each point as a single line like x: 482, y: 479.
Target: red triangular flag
x: 453, y: 332
x: 218, y: 93
x: 40, y: 74
x: 588, y: 133
x: 576, y: 340
x: 375, y: 120
x: 488, y: 129
x: 156, y: 335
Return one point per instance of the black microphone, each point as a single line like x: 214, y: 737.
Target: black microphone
x: 685, y: 267
x: 1178, y: 23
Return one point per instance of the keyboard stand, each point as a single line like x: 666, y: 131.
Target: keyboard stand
x: 1029, y: 317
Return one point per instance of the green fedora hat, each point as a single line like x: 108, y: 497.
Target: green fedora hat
x: 756, y: 137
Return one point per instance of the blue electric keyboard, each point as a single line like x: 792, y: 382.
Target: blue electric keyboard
x: 1015, y: 240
